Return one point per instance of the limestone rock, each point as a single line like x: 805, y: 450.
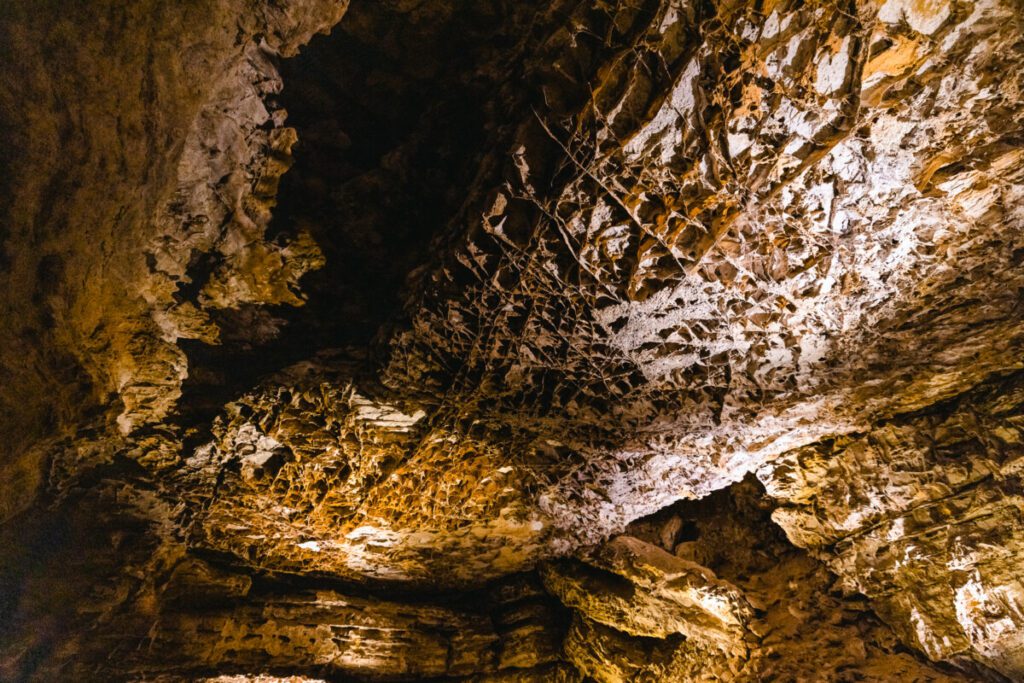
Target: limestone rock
x: 642, y: 590
x: 920, y: 514
x: 446, y: 345
x: 795, y: 612
x: 605, y: 655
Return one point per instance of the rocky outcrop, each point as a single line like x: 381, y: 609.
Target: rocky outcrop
x: 792, y: 624
x: 643, y: 590
x: 920, y: 513
x: 138, y: 606
x: 136, y: 154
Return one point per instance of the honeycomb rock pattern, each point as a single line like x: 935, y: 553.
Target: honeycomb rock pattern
x: 653, y: 250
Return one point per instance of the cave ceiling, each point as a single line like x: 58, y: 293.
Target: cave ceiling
x: 512, y: 341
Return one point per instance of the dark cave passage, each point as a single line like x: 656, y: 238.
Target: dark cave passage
x: 393, y: 112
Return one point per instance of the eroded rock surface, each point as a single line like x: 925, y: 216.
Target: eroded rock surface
x: 786, y: 619
x: 447, y: 345
x: 921, y: 514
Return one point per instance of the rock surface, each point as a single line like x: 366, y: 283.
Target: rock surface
x: 793, y: 624
x: 643, y: 590
x: 450, y: 345
x: 921, y: 514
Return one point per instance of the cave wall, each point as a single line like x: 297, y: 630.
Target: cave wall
x: 135, y: 138
x: 543, y: 270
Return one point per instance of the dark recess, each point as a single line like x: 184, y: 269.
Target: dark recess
x: 391, y: 115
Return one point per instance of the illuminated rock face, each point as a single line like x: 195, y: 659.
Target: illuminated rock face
x: 782, y: 620
x: 657, y: 340
x: 921, y: 514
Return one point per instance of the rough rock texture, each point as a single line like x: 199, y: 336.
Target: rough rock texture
x: 922, y: 513
x: 463, y: 371
x: 786, y: 619
x: 137, y: 604
x: 133, y: 153
x: 645, y: 591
